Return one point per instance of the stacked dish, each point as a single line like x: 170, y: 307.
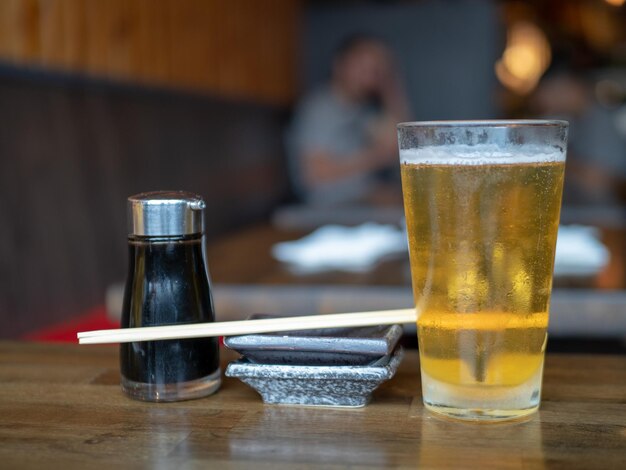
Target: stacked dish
x: 325, y: 367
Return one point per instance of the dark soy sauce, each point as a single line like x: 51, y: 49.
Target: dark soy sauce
x: 167, y: 284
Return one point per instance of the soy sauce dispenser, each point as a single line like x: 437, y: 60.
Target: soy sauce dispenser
x: 167, y: 284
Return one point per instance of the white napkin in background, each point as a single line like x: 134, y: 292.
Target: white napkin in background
x: 579, y: 251
x: 335, y: 247
x: 357, y: 249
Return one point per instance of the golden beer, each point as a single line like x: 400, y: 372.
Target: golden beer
x: 482, y: 239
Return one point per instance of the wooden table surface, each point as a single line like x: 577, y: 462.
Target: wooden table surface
x: 61, y: 407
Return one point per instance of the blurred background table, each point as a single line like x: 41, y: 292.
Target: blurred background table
x: 586, y: 312
x: 245, y: 257
x: 62, y: 405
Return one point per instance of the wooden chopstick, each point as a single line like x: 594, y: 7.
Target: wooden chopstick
x: 232, y: 328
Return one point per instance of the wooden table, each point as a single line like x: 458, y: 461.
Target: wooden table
x: 61, y: 406
x: 244, y: 257
x: 248, y: 279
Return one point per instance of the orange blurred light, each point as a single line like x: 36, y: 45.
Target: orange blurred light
x: 525, y: 58
x: 616, y: 3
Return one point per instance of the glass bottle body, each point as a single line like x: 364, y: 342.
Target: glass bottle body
x: 168, y: 284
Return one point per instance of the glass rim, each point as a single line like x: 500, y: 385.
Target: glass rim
x: 493, y: 123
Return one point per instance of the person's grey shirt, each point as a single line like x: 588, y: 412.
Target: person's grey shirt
x: 324, y: 122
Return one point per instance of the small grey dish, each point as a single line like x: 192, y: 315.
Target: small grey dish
x: 344, y: 386
x: 328, y: 346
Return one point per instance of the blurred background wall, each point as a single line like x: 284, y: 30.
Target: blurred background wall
x: 446, y: 50
x: 241, y: 49
x: 103, y: 99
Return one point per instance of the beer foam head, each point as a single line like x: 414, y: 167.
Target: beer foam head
x: 481, y: 155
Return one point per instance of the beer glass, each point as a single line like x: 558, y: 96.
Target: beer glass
x: 482, y: 202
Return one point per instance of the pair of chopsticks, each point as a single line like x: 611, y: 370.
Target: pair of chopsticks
x: 233, y: 328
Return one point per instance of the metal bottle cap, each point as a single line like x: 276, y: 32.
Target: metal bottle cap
x: 165, y: 213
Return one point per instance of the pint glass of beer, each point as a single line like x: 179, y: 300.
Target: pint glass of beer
x: 482, y: 202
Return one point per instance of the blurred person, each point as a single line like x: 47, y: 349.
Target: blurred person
x: 343, y: 137
x: 596, y: 163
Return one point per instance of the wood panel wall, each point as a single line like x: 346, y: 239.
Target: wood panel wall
x: 236, y: 48
x: 72, y: 151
